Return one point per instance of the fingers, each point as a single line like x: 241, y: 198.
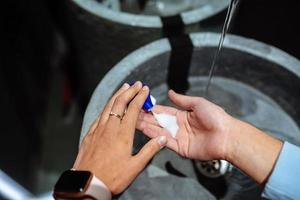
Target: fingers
x: 154, y: 131
x: 185, y: 102
x: 135, y: 106
x: 149, y: 150
x: 121, y: 102
x: 133, y: 111
x: 147, y: 117
x: 164, y: 109
x: 105, y: 113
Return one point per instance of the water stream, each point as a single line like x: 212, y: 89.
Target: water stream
x: 231, y: 9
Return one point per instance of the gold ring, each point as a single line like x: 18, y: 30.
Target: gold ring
x: 116, y: 115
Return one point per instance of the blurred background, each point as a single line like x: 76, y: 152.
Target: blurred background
x: 53, y: 55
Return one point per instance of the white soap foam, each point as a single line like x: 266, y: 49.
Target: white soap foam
x: 169, y: 122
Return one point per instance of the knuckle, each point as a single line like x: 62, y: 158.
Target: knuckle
x: 156, y: 147
x: 115, y: 95
x: 86, y: 139
x: 134, y: 106
x: 153, y: 147
x: 119, y: 100
x: 200, y: 100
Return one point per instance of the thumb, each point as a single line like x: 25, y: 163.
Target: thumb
x: 183, y: 101
x: 150, y: 149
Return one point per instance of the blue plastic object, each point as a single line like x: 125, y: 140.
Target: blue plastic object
x: 149, y: 103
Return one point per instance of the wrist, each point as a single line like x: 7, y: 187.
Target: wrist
x: 232, y: 139
x: 252, y: 150
x: 74, y: 184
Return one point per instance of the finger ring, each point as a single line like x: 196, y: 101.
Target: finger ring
x: 116, y: 115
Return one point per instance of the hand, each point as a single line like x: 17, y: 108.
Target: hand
x: 203, y: 127
x: 106, y: 150
x: 207, y: 132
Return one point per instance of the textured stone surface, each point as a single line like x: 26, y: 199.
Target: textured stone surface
x: 154, y: 183
x: 102, y: 37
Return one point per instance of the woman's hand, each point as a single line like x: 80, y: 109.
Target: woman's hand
x: 106, y: 150
x: 203, y: 127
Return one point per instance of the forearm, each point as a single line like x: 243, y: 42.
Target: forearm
x: 252, y: 150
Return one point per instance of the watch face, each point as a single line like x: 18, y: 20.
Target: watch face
x: 72, y: 181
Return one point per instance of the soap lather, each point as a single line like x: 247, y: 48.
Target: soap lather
x: 166, y: 121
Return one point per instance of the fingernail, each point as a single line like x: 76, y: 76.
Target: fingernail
x: 126, y: 85
x: 138, y: 83
x: 145, y: 87
x: 162, y: 141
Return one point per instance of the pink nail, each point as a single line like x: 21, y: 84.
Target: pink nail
x: 162, y: 141
x: 126, y: 85
x: 138, y: 83
x: 145, y: 87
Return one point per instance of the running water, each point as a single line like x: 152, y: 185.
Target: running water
x: 230, y: 12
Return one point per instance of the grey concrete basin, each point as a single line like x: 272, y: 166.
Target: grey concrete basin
x: 255, y: 82
x: 102, y: 36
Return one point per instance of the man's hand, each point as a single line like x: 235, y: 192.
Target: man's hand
x: 207, y: 132
x: 203, y: 127
x: 106, y: 150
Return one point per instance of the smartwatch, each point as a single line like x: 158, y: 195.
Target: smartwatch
x: 75, y: 184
